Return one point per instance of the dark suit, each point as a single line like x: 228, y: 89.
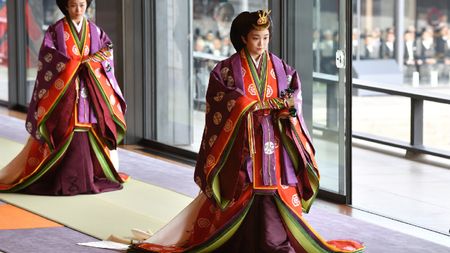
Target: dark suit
x: 386, y: 52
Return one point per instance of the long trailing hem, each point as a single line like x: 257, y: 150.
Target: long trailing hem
x: 78, y: 172
x: 256, y: 169
x: 263, y: 224
x: 76, y: 114
x: 75, y: 160
x: 78, y: 166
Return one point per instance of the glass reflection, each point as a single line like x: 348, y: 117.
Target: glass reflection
x: 184, y: 64
x: 325, y: 43
x: 325, y: 94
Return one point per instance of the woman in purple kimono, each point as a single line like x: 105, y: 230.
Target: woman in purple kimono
x: 75, y: 116
x: 256, y: 165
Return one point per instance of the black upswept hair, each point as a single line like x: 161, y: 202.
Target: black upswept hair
x: 62, y: 5
x: 244, y: 23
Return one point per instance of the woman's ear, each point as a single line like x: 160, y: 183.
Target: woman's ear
x: 244, y: 40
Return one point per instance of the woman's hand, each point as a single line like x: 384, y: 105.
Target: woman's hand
x: 290, y: 102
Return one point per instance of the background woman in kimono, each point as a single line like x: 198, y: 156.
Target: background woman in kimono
x: 256, y: 165
x: 75, y: 116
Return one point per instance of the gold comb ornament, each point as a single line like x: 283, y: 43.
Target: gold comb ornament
x: 263, y: 17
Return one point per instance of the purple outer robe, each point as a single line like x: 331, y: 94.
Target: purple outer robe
x: 54, y: 44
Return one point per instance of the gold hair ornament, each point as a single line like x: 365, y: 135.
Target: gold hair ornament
x: 263, y: 17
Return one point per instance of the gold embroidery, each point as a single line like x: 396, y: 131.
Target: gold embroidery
x: 230, y: 104
x: 212, y: 140
x: 217, y: 119
x: 210, y: 160
x: 219, y: 96
x: 228, y: 126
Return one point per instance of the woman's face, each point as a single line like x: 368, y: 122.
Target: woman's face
x: 257, y: 42
x: 76, y: 9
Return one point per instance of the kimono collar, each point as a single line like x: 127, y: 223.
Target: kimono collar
x: 78, y: 26
x: 256, y: 61
x: 236, y: 66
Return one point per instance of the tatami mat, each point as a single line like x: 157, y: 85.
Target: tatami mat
x: 138, y: 205
x: 8, y: 150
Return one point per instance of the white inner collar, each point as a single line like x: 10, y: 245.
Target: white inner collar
x: 257, y: 61
x: 78, y: 26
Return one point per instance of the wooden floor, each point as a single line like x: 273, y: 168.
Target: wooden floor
x: 410, y: 196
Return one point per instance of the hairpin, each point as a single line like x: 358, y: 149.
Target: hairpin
x: 263, y: 17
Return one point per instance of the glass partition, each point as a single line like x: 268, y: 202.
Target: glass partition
x: 328, y: 95
x: 435, y: 133
x: 402, y: 45
x: 389, y: 115
x: 192, y: 37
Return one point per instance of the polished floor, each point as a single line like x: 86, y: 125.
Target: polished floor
x: 414, y: 191
x: 405, y: 195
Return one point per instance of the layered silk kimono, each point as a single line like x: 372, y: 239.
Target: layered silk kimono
x: 256, y: 169
x: 75, y: 117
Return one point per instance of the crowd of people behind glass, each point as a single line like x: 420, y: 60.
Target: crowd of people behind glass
x: 212, y: 23
x: 426, y: 51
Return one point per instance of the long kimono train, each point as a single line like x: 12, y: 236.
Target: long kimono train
x: 75, y: 117
x: 256, y: 169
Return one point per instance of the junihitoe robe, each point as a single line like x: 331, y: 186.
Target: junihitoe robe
x: 75, y: 117
x: 256, y: 169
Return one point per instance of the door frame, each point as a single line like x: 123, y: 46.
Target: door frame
x: 344, y: 111
x: 348, y: 11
